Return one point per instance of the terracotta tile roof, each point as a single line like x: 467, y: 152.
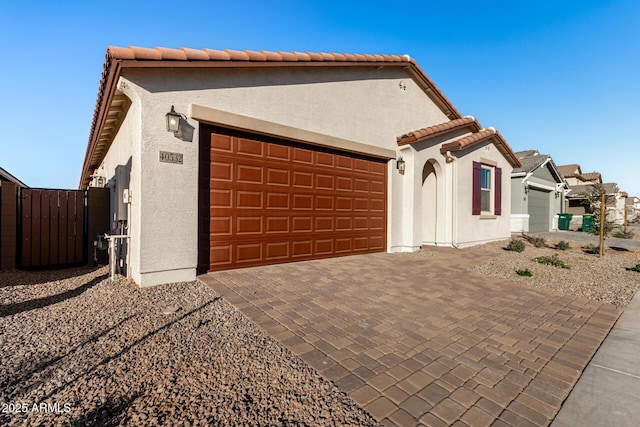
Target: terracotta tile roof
x: 570, y: 170
x: 480, y: 137
x: 186, y: 54
x: 439, y: 129
x: 118, y: 58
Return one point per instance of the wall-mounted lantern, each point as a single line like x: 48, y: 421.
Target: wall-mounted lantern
x: 400, y: 165
x: 173, y: 120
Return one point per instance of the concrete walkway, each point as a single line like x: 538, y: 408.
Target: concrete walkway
x: 608, y: 392
x: 418, y: 340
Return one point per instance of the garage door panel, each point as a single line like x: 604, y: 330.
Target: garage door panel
x: 278, y: 176
x: 277, y: 224
x: 325, y: 159
x: 221, y: 226
x: 278, y: 201
x: 303, y: 156
x: 301, y: 224
x: 220, y: 254
x: 302, y: 201
x: 344, y: 183
x: 249, y: 147
x: 221, y: 171
x: 248, y: 253
x: 301, y: 249
x: 324, y: 203
x: 248, y: 225
x: 277, y: 250
x: 278, y: 152
x: 221, y: 143
x: 222, y: 198
x: 249, y: 174
x: 324, y: 246
x: 302, y: 179
x: 271, y: 201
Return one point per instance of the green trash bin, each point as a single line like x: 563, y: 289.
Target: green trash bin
x: 564, y: 219
x: 588, y: 223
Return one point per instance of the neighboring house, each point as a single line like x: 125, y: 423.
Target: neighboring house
x: 576, y: 201
x: 573, y: 175
x: 7, y: 177
x: 537, y: 193
x: 286, y: 156
x: 579, y: 183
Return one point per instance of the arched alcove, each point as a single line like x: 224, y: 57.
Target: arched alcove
x: 430, y: 202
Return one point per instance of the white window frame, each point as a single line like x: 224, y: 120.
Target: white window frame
x: 490, y: 190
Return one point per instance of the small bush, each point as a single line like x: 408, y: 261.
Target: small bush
x: 526, y: 273
x: 552, y: 260
x: 636, y: 268
x: 516, y: 245
x: 538, y: 242
x: 620, y: 234
x: 562, y: 245
x: 591, y: 249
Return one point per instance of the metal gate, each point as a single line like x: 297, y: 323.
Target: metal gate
x: 51, y: 227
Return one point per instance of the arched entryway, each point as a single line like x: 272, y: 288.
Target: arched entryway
x: 430, y: 201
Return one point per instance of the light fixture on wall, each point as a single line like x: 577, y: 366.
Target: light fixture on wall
x: 173, y: 120
x: 400, y: 165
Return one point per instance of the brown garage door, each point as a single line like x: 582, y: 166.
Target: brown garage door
x: 266, y: 201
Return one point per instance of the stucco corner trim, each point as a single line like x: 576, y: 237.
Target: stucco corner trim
x: 251, y: 124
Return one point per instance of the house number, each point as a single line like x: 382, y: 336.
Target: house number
x: 168, y: 157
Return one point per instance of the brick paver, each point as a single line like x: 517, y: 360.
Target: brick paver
x: 418, y: 340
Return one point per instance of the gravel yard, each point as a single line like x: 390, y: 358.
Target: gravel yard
x: 108, y: 353
x: 605, y: 279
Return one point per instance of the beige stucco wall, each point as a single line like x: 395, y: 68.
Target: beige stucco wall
x: 475, y: 229
x: 124, y: 153
x: 364, y: 105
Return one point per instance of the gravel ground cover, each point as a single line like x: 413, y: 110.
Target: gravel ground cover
x: 605, y: 279
x: 78, y: 349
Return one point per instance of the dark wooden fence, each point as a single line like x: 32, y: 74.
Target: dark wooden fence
x: 44, y: 227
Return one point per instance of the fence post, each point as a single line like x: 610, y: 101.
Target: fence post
x: 8, y: 225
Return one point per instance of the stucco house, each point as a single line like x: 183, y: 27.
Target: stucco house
x: 537, y: 193
x: 286, y: 156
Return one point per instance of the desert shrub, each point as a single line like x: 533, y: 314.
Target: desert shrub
x: 552, y: 260
x: 536, y: 241
x: 591, y: 249
x: 516, y: 245
x: 620, y: 234
x: 636, y: 268
x: 562, y: 245
x: 525, y: 272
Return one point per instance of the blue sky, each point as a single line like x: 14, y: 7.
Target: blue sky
x: 559, y: 76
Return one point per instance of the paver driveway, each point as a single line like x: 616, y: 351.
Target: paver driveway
x: 418, y: 339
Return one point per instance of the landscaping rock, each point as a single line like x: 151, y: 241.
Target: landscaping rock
x: 102, y: 352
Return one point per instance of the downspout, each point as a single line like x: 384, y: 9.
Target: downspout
x: 454, y: 226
